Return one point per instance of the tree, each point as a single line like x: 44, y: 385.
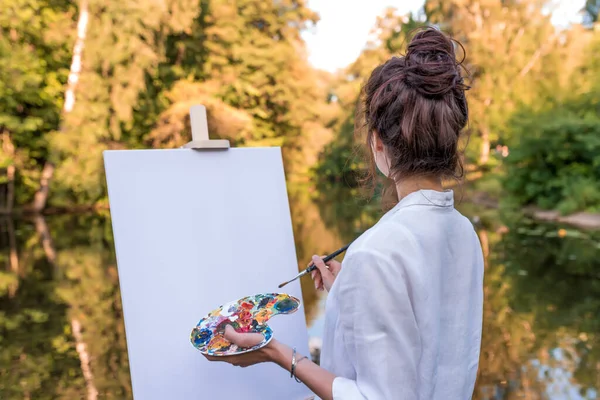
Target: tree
x: 41, y: 196
x: 343, y: 160
x: 510, y: 56
x: 110, y: 82
x: 34, y: 59
x: 245, y: 61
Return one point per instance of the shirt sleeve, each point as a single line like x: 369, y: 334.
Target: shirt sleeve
x: 379, y: 329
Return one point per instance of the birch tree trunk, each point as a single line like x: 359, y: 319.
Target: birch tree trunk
x: 41, y: 196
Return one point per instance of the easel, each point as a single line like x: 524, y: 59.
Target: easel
x: 200, y: 138
x: 202, y: 141
x: 170, y: 252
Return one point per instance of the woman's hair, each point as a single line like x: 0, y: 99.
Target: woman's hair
x: 416, y: 105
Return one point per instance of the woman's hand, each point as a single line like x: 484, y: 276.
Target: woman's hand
x: 325, y: 273
x: 319, y: 380
x: 269, y: 353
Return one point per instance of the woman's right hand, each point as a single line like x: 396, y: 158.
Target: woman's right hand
x: 325, y: 273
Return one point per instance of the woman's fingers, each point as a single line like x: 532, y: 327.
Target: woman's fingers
x: 334, y: 267
x: 324, y: 279
x: 325, y: 274
x: 242, y: 339
x: 316, y: 276
x: 318, y: 281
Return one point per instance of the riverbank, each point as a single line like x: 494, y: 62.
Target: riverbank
x: 580, y: 220
x: 486, y: 190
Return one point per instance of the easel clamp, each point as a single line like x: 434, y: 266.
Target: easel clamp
x: 200, y: 139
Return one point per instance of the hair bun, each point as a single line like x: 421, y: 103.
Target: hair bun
x: 431, y: 67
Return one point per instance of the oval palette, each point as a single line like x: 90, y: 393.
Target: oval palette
x: 247, y: 315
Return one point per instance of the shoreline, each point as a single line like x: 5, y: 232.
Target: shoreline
x: 582, y: 220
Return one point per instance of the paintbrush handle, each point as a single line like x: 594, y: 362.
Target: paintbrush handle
x: 312, y: 267
x: 328, y: 258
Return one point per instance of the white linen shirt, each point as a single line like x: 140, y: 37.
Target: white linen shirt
x: 403, y: 318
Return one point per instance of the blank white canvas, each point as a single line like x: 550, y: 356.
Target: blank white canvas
x: 194, y: 230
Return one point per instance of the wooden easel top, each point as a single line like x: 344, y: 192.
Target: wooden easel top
x: 200, y: 138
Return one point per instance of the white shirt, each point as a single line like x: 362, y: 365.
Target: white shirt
x: 403, y: 318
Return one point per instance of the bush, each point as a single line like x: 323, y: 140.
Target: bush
x: 556, y: 162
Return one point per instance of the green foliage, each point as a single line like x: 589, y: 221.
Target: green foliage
x: 35, y: 41
x: 559, y: 285
x: 38, y: 353
x: 144, y: 64
x: 342, y: 160
x: 345, y: 160
x: 556, y: 162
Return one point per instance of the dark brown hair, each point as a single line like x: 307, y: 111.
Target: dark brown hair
x: 416, y: 105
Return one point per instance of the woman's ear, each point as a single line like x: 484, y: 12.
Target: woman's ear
x: 378, y: 145
x: 381, y: 159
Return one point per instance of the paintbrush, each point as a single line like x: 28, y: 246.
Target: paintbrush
x: 312, y: 267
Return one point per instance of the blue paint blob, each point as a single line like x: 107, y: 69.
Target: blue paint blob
x: 286, y: 305
x: 268, y: 333
x: 201, y: 337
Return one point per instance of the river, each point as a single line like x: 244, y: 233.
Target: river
x: 62, y: 332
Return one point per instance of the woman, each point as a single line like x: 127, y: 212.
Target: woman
x: 404, y: 310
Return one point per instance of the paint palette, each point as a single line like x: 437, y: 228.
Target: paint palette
x: 247, y: 315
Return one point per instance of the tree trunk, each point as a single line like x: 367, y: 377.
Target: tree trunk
x: 484, y: 154
x: 10, y: 188
x: 9, y: 150
x: 44, y: 233
x: 41, y: 196
x: 13, y: 255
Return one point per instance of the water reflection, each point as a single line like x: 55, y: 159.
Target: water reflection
x: 542, y: 314
x: 62, y: 333
x: 61, y: 327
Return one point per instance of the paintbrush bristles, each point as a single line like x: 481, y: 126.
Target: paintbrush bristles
x: 291, y: 280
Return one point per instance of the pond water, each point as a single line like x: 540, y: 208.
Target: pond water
x: 60, y: 306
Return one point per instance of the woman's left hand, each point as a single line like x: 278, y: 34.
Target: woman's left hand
x: 264, y: 354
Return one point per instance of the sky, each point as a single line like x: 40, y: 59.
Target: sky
x: 338, y: 39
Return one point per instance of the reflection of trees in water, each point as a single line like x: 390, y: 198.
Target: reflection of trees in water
x: 64, y: 279
x: 542, y: 293
x: 541, y: 317
x: 507, y: 337
x: 42, y: 353
x: 346, y: 211
x: 312, y: 236
x: 33, y: 356
x: 556, y: 279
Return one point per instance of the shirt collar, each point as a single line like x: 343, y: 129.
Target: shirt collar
x: 425, y: 197
x: 428, y: 197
